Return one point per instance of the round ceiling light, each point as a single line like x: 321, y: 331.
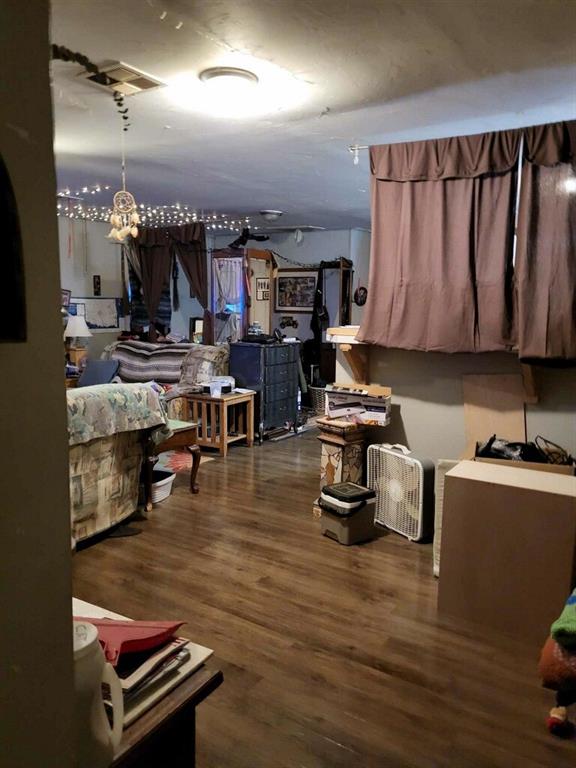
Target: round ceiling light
x: 241, y: 88
x: 230, y: 74
x: 270, y: 215
x: 228, y: 91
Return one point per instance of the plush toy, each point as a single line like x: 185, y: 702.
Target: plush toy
x: 558, y: 669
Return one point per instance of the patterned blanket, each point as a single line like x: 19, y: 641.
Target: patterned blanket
x: 107, y: 409
x: 142, y: 361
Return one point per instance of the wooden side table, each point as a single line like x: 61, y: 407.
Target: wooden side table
x: 223, y: 420
x: 185, y: 436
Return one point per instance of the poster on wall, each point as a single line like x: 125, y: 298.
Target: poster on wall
x: 262, y: 289
x: 295, y: 290
x: 101, y: 314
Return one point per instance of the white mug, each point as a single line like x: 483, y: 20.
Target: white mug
x: 96, y: 741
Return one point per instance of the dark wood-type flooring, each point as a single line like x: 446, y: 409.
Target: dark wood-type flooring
x: 333, y: 657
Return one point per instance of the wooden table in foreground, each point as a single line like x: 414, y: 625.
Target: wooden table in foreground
x: 223, y: 420
x: 165, y: 735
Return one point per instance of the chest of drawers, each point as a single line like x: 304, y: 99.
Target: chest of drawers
x: 272, y: 371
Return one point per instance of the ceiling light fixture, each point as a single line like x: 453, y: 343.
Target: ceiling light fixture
x: 270, y: 215
x: 228, y: 90
x: 241, y: 87
x: 228, y: 76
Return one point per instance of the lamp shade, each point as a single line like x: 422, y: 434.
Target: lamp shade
x: 76, y: 327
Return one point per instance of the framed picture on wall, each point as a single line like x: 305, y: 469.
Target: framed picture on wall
x: 295, y: 289
x: 65, y: 300
x: 102, y: 314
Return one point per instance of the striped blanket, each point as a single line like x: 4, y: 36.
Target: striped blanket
x: 140, y: 361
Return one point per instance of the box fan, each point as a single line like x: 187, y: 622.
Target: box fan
x: 404, y: 485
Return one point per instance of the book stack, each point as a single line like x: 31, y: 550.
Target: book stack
x: 141, y: 673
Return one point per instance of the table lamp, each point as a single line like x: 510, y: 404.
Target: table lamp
x: 77, y: 330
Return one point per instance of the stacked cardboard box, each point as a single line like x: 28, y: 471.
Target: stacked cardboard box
x: 367, y: 404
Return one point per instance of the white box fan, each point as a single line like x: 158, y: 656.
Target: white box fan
x: 404, y: 485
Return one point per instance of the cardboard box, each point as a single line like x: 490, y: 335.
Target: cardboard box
x: 561, y: 469
x: 508, y: 547
x: 368, y: 404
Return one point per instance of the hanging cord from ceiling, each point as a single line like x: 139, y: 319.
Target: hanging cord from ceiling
x: 61, y: 53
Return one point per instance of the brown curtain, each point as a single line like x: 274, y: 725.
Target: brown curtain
x: 442, y: 229
x: 189, y: 243
x: 545, y: 272
x: 155, y: 267
x: 152, y: 254
x: 190, y: 247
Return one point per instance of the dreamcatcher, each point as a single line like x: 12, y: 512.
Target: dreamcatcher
x: 124, y: 217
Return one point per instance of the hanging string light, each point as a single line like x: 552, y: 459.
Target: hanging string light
x: 154, y: 216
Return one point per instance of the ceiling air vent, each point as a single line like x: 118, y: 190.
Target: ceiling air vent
x: 121, y: 77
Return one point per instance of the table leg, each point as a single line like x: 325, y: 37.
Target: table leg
x: 196, y: 457
x: 250, y: 419
x: 149, y: 460
x: 223, y: 428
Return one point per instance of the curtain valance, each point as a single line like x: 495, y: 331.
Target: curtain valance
x: 465, y: 157
x: 551, y: 144
x: 149, y: 237
x: 461, y: 157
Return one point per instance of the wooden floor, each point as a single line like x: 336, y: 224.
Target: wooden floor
x: 333, y: 657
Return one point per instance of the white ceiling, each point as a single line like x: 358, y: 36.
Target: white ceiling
x: 367, y: 72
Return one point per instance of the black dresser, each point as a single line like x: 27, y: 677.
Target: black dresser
x: 272, y: 371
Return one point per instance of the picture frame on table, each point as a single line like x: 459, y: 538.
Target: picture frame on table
x: 295, y: 290
x: 65, y: 299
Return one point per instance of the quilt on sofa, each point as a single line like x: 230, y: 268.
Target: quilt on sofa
x: 108, y: 426
x: 104, y: 482
x: 106, y: 409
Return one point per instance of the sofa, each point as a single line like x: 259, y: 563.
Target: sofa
x: 109, y: 426
x: 177, y: 367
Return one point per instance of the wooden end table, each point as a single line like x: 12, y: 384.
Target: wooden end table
x: 165, y: 735
x: 185, y: 435
x: 223, y: 420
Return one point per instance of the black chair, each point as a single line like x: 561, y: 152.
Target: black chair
x: 98, y: 372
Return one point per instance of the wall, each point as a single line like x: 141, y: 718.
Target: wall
x: 260, y: 309
x: 360, y: 255
x: 316, y: 247
x: 35, y: 579
x: 428, y: 413
x: 85, y: 251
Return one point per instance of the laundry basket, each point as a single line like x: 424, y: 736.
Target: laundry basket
x: 161, y: 485
x: 317, y: 399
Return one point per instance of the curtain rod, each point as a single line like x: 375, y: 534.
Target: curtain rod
x: 354, y: 149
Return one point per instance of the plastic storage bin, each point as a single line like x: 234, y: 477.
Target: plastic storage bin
x: 347, y: 513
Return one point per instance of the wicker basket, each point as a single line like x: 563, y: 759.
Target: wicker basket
x: 317, y: 399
